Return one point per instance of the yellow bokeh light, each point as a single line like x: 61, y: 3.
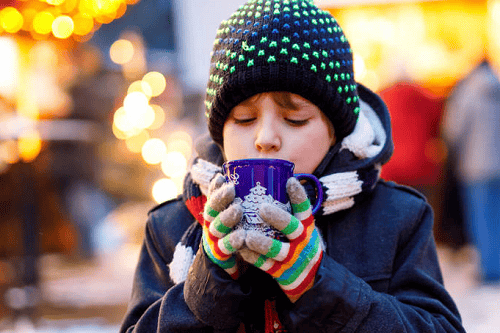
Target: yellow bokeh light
x: 85, y: 7
x: 156, y: 81
x: 107, y: 7
x: 11, y: 19
x: 138, y: 111
x: 135, y: 143
x: 154, y: 151
x: 42, y: 22
x: 159, y: 117
x: 119, y: 134
x: 174, y: 164
x: 29, y: 145
x: 54, y: 2
x: 83, y: 24
x: 140, y: 86
x: 164, y: 190
x: 121, y: 121
x: 121, y: 51
x: 135, y: 100
x: 63, y: 27
x: 97, y: 8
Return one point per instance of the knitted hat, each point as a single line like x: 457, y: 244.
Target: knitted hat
x: 282, y: 45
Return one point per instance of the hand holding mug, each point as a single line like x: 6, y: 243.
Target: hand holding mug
x: 258, y: 181
x: 220, y: 216
x: 293, y: 264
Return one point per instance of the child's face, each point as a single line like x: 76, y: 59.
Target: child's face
x: 278, y: 125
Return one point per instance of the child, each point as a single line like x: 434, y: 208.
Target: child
x: 282, y: 86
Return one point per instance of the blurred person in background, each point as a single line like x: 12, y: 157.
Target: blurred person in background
x: 420, y: 156
x: 282, y: 86
x: 471, y: 127
x: 415, y: 118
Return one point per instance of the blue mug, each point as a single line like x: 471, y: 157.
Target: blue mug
x: 263, y: 180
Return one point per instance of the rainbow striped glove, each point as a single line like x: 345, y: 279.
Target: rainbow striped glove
x: 293, y: 264
x: 219, y: 240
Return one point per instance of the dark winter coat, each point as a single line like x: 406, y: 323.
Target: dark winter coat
x: 380, y: 272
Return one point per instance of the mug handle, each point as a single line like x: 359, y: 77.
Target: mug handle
x: 319, y: 189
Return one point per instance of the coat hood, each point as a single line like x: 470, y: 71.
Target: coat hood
x: 370, y: 144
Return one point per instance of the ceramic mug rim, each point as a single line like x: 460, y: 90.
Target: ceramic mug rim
x: 260, y: 160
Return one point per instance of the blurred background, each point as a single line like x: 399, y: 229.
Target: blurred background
x: 101, y: 102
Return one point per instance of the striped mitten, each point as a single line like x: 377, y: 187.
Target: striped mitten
x: 219, y: 240
x: 293, y: 264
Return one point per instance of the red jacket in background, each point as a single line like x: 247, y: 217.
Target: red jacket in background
x: 416, y: 117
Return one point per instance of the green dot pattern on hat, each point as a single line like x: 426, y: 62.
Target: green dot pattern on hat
x: 266, y: 44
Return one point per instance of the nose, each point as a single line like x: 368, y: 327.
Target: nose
x: 267, y: 137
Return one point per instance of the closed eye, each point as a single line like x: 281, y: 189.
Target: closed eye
x: 243, y: 121
x: 297, y: 122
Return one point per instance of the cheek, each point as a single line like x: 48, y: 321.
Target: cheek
x: 311, y: 148
x: 235, y: 146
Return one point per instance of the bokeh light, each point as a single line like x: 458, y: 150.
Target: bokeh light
x: 164, y: 190
x: 121, y: 51
x: 29, y: 145
x: 119, y: 134
x: 174, y: 164
x: 55, y: 2
x: 137, y: 109
x: 140, y: 86
x: 121, y: 121
x: 154, y: 151
x: 11, y: 19
x: 42, y: 22
x: 63, y: 27
x: 135, y: 100
x: 156, y: 81
x: 83, y: 24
